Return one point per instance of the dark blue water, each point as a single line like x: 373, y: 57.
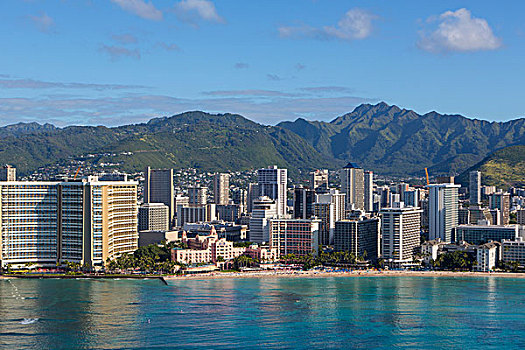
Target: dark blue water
x: 340, y: 312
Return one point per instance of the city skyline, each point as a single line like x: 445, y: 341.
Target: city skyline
x: 310, y: 59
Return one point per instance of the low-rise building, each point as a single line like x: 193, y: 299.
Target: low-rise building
x: 479, y: 234
x: 486, y: 257
x: 430, y: 250
x: 205, y: 249
x: 513, y: 250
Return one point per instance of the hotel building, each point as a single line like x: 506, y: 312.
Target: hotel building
x: 86, y: 222
x: 294, y: 236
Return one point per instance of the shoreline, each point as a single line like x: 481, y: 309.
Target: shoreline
x: 357, y: 273
x: 279, y: 274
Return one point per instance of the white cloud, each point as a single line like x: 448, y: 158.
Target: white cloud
x: 140, y: 8
x: 458, y: 31
x: 125, y: 38
x: 356, y: 24
x: 116, y: 52
x: 44, y: 23
x: 192, y: 10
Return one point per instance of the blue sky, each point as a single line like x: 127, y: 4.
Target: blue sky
x: 113, y: 62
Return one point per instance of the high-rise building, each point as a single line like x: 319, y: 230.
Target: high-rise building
x: 264, y: 209
x: 158, y: 188
x: 154, y: 217
x: 273, y: 183
x: 86, y: 222
x: 400, y: 228
x: 521, y: 217
x: 7, y: 173
x: 360, y: 237
x: 501, y: 201
x: 353, y: 185
x: 191, y: 214
x: 240, y: 197
x: 475, y: 187
x: 442, y: 210
x: 303, y: 201
x: 294, y: 236
x: 411, y: 198
x: 198, y: 195
x: 325, y: 213
x: 369, y: 191
x: 319, y: 179
x: 328, y: 208
x: 221, y: 189
x: 252, y: 195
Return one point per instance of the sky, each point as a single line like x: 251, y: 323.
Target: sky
x: 114, y: 62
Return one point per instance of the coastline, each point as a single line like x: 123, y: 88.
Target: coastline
x: 357, y: 273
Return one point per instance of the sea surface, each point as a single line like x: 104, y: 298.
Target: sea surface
x: 290, y: 313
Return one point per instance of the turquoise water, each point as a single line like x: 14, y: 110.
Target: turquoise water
x: 332, y: 312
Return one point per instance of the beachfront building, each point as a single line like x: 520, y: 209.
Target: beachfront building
x: 85, y: 222
x: 442, y: 210
x: 294, y: 236
x: 262, y: 253
x: 154, y: 217
x: 206, y: 249
x: 360, y: 237
x: 486, y: 257
x: 430, y: 250
x: 479, y: 234
x: 513, y: 250
x: 264, y: 209
x: 400, y: 229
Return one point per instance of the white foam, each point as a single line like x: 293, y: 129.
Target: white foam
x: 28, y: 320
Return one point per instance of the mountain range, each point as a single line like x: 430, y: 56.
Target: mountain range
x: 383, y: 138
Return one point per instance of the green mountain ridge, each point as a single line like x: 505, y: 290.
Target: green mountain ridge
x: 503, y: 168
x: 395, y: 141
x: 383, y: 138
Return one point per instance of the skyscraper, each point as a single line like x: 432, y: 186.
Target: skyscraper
x: 319, y: 179
x: 360, y: 237
x: 501, y: 200
x: 294, y: 236
x: 303, y: 200
x: 352, y: 184
x: 369, y: 191
x: 400, y: 228
x: 198, y: 195
x: 7, y: 173
x: 154, y: 217
x: 475, y: 187
x: 158, y: 188
x: 221, y: 189
x: 85, y: 222
x: 263, y: 210
x: 273, y: 183
x: 442, y: 210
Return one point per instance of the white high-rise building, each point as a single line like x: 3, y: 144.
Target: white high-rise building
x: 319, y: 178
x: 353, y: 185
x: 86, y: 222
x: 400, y: 228
x: 369, y: 191
x: 273, y: 182
x: 442, y: 210
x: 221, y: 189
x: 475, y: 187
x: 154, y: 217
x: 264, y: 209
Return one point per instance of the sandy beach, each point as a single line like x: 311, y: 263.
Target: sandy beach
x: 363, y: 273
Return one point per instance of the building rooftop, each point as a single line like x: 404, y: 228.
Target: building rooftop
x: 351, y: 165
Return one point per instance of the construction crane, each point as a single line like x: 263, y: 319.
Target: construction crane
x: 426, y: 172
x: 78, y: 170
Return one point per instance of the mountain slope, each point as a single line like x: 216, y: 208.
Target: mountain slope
x: 397, y: 141
x: 503, y: 168
x: 192, y: 139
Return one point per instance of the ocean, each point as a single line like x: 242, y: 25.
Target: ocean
x: 283, y: 313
